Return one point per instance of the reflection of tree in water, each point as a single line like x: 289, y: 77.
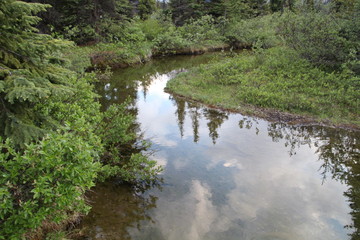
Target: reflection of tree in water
x: 180, y: 113
x: 196, y: 112
x: 116, y: 208
x: 216, y: 119
x: 341, y: 156
x: 338, y: 149
x: 124, y: 83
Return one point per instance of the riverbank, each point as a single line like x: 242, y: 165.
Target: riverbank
x: 103, y: 56
x: 275, y: 84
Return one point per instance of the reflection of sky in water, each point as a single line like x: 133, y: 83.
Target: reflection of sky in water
x: 244, y: 187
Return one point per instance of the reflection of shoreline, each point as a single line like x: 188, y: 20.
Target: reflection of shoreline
x: 270, y: 115
x: 255, y: 198
x: 338, y: 149
x: 115, y: 209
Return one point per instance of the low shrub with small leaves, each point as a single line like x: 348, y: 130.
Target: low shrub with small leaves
x: 257, y: 32
x: 45, y: 182
x: 275, y: 78
x: 55, y: 143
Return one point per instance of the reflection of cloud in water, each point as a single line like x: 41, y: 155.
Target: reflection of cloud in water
x: 279, y: 204
x: 274, y: 196
x: 233, y: 163
x: 275, y: 193
x: 163, y: 141
x: 155, y: 116
x: 247, y: 187
x: 180, y: 163
x: 190, y: 217
x: 157, y: 87
x: 160, y: 160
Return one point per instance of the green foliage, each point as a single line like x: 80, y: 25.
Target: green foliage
x: 51, y: 176
x: 170, y: 41
x: 234, y: 10
x: 54, y: 132
x: 123, y: 152
x: 280, y: 5
x: 351, y: 31
x: 30, y: 65
x: 194, y: 35
x: 91, y: 21
x: 146, y: 8
x: 184, y: 10
x: 119, y: 54
x: 275, y: 78
x: 259, y: 32
x: 153, y: 28
x: 317, y: 37
x: 57, y: 142
x: 203, y: 31
x: 237, y: 10
x: 45, y: 183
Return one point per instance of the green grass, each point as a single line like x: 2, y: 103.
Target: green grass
x: 276, y: 78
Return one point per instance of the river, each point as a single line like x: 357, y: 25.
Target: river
x: 226, y: 176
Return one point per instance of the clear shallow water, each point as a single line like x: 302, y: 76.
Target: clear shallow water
x: 226, y: 176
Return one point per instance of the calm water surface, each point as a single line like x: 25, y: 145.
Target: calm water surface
x: 226, y: 176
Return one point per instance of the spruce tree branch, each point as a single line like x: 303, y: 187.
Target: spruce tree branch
x: 4, y: 106
x: 28, y: 59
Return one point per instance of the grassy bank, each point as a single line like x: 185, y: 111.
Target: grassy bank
x: 151, y: 38
x: 276, y: 79
x: 121, y: 56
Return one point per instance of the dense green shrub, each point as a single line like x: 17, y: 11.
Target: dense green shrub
x: 259, y: 32
x: 317, y: 37
x: 194, y: 35
x: 170, y: 41
x: 52, y: 130
x: 45, y: 183
x: 124, y: 156
x: 152, y: 28
x: 203, y: 31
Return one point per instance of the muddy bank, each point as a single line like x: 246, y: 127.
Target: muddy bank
x: 104, y: 59
x: 272, y: 115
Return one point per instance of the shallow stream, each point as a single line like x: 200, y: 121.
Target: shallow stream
x: 226, y: 176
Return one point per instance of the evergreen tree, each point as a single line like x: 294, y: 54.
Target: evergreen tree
x: 146, y: 8
x: 279, y: 5
x: 89, y: 21
x: 216, y: 8
x: 183, y: 10
x: 29, y: 71
x: 243, y: 9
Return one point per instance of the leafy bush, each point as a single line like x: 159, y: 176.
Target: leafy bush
x: 124, y: 155
x: 316, y: 36
x: 45, y: 182
x: 170, y: 41
x: 83, y: 33
x: 259, y: 32
x: 152, y: 28
x: 199, y: 34
x: 202, y: 31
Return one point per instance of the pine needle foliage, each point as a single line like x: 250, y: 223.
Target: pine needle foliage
x: 30, y: 70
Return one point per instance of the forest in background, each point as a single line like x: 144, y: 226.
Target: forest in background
x: 56, y: 143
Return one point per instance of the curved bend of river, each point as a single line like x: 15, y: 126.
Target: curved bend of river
x: 226, y: 176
